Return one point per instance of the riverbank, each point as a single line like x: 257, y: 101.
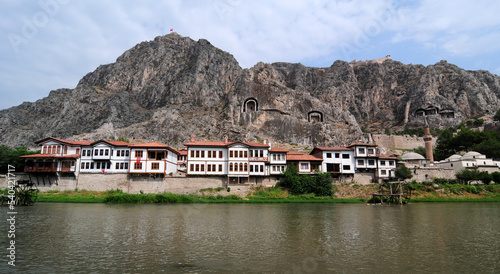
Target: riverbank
x: 346, y: 193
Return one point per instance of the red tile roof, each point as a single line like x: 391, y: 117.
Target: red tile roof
x: 49, y: 156
x: 208, y: 143
x: 361, y: 144
x: 222, y: 144
x: 78, y: 143
x: 113, y: 143
x: 155, y: 145
x: 278, y: 149
x: 332, y: 148
x: 388, y: 157
x: 297, y: 156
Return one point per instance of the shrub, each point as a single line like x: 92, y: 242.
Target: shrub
x: 496, y: 177
x: 319, y: 184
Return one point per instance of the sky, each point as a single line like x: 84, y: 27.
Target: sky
x: 50, y: 44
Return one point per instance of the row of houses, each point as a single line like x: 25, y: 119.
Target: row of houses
x: 239, y: 161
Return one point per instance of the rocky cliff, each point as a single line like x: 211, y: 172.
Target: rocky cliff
x: 173, y: 87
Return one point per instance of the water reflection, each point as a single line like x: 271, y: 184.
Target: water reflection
x: 267, y: 238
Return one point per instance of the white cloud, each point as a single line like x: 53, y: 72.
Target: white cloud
x: 80, y: 35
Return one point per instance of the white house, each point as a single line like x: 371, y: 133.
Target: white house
x: 153, y: 158
x: 277, y: 160
x: 339, y: 161
x: 470, y: 159
x: 365, y: 157
x: 105, y: 157
x: 56, y: 156
x: 386, y: 167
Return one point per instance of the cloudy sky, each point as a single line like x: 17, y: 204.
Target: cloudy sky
x: 51, y: 44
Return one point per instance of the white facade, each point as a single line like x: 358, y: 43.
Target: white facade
x: 207, y: 161
x: 386, y: 167
x: 336, y: 160
x: 470, y: 159
x: 277, y: 161
x: 153, y: 158
x: 105, y: 157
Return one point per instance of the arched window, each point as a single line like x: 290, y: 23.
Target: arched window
x: 241, y: 166
x: 230, y: 166
x: 58, y: 149
x: 250, y: 104
x: 44, y: 151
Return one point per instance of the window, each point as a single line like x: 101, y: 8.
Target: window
x: 138, y: 154
x: 347, y: 167
x: 82, y: 165
x: 126, y: 153
x: 345, y: 156
x: 304, y: 166
x: 246, y: 167
x: 77, y: 151
x: 117, y: 166
x: 220, y: 155
x: 371, y: 151
x: 209, y: 154
x: 192, y: 153
x: 87, y: 166
x: 383, y: 172
x: 197, y: 154
x: 391, y: 163
x: 197, y: 167
x: 122, y: 166
x: 241, y: 154
x: 261, y: 168
x: 44, y: 150
x: 58, y: 149
x: 118, y: 153
x: 155, y: 166
x: 337, y: 155
x: 328, y: 155
x: 382, y: 163
x: 274, y: 168
x: 126, y: 166
x: 101, y: 152
x: 241, y: 167
x: 361, y: 150
x: 231, y: 154
x: 202, y: 154
x: 191, y: 167
x: 91, y: 165
x: 209, y: 167
x: 245, y: 154
x: 371, y: 162
x: 361, y: 162
x: 137, y: 166
x: 230, y: 166
x: 220, y: 168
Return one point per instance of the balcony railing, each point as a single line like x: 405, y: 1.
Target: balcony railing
x: 39, y: 169
x: 258, y: 159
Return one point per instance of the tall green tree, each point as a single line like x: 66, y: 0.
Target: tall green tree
x: 10, y: 156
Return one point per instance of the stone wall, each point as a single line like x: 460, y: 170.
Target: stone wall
x: 364, y: 178
x: 173, y: 184
x: 391, y: 142
x: 427, y: 174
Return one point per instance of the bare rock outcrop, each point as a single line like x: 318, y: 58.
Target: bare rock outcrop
x: 173, y: 87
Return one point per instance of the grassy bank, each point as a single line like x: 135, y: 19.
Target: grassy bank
x: 345, y: 193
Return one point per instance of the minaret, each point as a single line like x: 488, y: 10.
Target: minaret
x: 428, y: 141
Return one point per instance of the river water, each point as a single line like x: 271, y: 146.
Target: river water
x: 254, y: 238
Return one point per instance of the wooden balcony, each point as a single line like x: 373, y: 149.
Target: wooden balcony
x: 39, y: 169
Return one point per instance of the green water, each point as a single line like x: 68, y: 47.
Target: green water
x: 254, y: 238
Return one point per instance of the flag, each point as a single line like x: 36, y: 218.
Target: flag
x: 171, y: 29
x: 103, y: 171
x: 138, y: 160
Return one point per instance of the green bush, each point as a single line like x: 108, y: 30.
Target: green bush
x: 320, y: 183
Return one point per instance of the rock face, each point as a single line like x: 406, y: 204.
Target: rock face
x: 173, y: 87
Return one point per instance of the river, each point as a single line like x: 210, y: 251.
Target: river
x: 254, y: 238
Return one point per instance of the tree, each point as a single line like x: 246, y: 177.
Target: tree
x: 497, y: 116
x: 319, y: 183
x: 403, y: 173
x: 10, y: 156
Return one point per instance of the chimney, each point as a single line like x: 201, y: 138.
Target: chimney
x: 226, y: 139
x: 192, y: 138
x: 85, y: 139
x: 265, y: 142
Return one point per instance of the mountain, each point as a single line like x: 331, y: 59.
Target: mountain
x: 174, y: 87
